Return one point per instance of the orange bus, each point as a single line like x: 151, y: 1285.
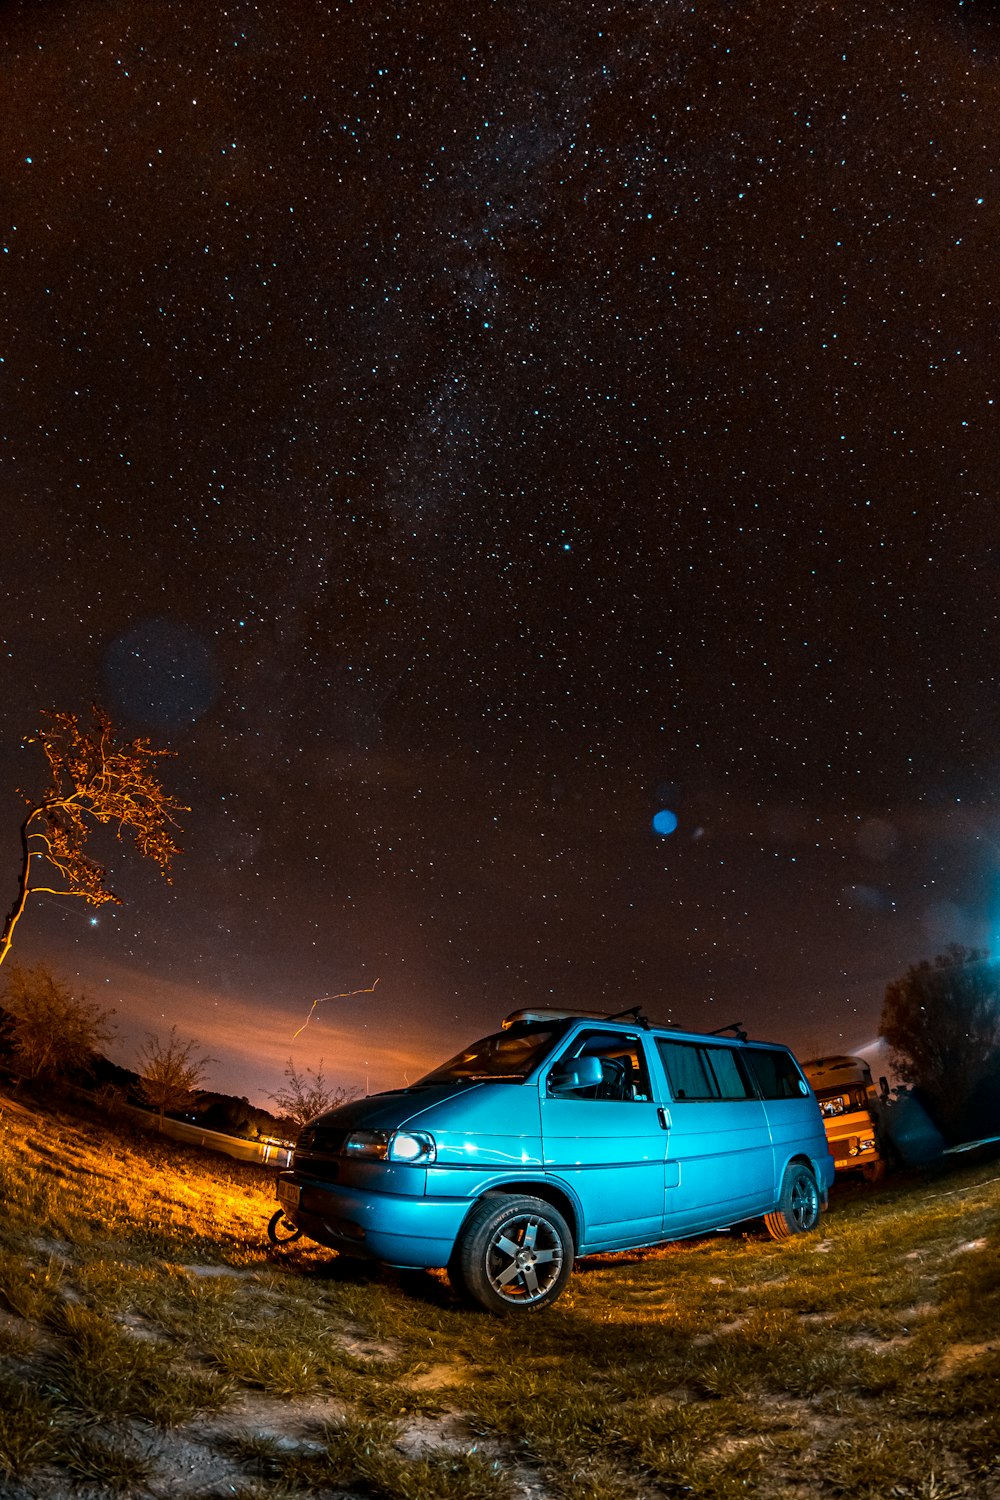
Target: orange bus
x: 849, y: 1103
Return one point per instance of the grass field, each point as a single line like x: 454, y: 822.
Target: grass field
x: 152, y: 1344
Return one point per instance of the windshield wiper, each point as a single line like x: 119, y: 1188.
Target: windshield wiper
x: 494, y: 1077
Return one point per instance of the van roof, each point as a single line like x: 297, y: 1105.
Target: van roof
x: 542, y: 1014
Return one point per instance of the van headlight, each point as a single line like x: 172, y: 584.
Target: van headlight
x: 414, y: 1146
x: 371, y: 1143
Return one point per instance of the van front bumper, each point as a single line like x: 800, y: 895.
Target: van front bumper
x: 402, y: 1231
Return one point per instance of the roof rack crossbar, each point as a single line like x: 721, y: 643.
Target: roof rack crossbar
x: 634, y: 1012
x: 736, y: 1027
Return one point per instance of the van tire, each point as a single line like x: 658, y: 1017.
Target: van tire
x: 514, y: 1254
x: 798, y: 1204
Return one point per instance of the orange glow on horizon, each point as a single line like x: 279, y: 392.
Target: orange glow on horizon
x: 250, y: 1046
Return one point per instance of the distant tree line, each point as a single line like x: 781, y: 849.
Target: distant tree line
x: 51, y: 1038
x: 942, y: 1020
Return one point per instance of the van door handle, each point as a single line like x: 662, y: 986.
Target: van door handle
x: 663, y: 1115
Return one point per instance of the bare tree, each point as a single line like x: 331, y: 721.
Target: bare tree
x: 169, y: 1072
x: 51, y: 1032
x: 92, y: 779
x: 306, y: 1095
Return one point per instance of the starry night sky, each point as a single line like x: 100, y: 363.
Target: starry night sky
x: 460, y: 431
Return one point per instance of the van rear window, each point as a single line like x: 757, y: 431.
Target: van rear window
x: 776, y: 1074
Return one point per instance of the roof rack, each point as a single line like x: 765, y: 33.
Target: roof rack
x: 555, y: 1013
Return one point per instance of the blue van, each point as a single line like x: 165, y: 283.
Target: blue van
x: 563, y: 1134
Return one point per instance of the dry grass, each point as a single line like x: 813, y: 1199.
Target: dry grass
x: 151, y: 1343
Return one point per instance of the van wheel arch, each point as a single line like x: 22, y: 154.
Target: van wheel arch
x: 560, y: 1201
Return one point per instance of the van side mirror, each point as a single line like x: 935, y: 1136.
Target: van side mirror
x: 581, y: 1073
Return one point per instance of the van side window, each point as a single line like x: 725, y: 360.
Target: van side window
x: 624, y: 1075
x: 696, y: 1072
x: 776, y: 1074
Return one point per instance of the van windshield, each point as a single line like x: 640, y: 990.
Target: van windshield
x: 841, y: 1101
x: 506, y: 1057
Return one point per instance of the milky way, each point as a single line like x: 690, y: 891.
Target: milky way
x: 462, y: 432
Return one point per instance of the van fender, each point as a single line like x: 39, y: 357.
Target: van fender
x: 551, y: 1190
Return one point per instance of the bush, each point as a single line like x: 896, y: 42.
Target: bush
x: 51, y: 1034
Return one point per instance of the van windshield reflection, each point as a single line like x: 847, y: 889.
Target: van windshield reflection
x: 505, y: 1057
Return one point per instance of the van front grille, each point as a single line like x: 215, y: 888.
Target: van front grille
x: 318, y: 1152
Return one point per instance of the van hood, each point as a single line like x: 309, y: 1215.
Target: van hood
x: 401, y: 1107
x: 490, y: 1124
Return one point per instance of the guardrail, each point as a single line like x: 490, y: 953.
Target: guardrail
x: 214, y: 1140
